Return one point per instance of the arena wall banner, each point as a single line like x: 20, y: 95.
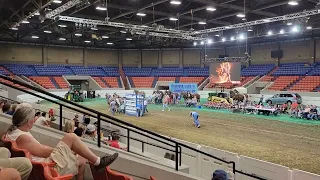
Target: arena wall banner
x: 180, y: 87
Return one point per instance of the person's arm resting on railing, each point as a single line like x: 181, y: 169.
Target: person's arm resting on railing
x: 34, y: 147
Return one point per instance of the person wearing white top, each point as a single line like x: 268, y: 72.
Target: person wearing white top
x: 42, y: 120
x: 64, y: 154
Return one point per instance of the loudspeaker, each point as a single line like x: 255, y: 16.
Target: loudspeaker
x: 276, y: 54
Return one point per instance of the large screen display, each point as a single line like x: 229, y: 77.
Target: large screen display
x: 225, y: 72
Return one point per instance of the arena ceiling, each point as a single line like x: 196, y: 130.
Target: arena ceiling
x: 191, y: 14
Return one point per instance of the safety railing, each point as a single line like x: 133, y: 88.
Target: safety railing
x: 117, y: 122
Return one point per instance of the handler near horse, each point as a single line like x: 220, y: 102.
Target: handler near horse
x: 195, y: 117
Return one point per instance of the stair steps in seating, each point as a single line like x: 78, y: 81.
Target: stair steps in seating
x: 155, y: 80
x: 177, y: 80
x: 119, y: 82
x: 294, y: 83
x: 124, y: 79
x: 131, y: 82
x: 105, y: 82
x: 54, y: 82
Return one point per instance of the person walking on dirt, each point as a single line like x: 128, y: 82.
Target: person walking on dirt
x: 195, y: 117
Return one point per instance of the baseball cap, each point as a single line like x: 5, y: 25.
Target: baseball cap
x: 219, y: 175
x: 91, y: 128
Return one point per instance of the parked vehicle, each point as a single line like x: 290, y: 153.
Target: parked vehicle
x: 282, y: 98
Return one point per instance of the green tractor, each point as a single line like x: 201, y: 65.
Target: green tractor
x: 75, y: 94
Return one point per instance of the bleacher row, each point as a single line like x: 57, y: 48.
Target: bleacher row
x: 293, y: 77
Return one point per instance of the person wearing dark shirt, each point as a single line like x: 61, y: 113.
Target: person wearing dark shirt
x: 6, y: 108
x: 313, y: 115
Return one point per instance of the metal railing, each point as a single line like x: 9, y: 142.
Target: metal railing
x: 115, y: 121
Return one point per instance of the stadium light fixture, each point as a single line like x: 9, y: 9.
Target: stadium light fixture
x: 217, y: 35
x: 25, y: 22
x: 173, y: 19
x: 78, y: 34
x: 202, y: 43
x: 62, y: 39
x: 123, y: 32
x: 175, y: 2
x: 202, y: 23
x: 241, y: 15
x: 241, y: 37
x: 141, y: 14
x: 281, y: 31
x: 232, y: 38
x: 87, y: 41
x: 209, y: 41
x: 309, y: 27
x: 110, y: 43
x: 48, y: 32
x: 128, y: 39
x: 94, y: 29
x: 62, y: 25
x: 195, y: 43
x: 295, y: 29
x: 100, y: 8
x: 223, y: 40
x: 37, y: 14
x: 211, y: 9
x: 289, y: 23
x: 105, y: 37
x: 270, y: 33
x: 35, y: 37
x: 57, y: 1
x: 293, y: 3
x: 14, y: 28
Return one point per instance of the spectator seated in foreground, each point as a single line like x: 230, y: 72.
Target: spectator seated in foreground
x: 13, y: 168
x: 91, y: 132
x: 69, y: 154
x: 41, y: 120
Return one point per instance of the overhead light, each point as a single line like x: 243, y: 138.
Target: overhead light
x: 223, y: 39
x: 202, y: 23
x: 309, y: 27
x: 77, y: 34
x: 100, y: 8
x: 241, y: 37
x: 270, y: 33
x: 211, y: 9
x: 195, y: 43
x: 241, y: 15
x: 57, y: 1
x: 281, y: 31
x: 105, y: 37
x: 295, y: 29
x: 95, y: 29
x: 227, y: 27
x: 48, y: 32
x: 209, y: 41
x: 34, y: 37
x: 250, y: 30
x: 293, y: 3
x: 62, y: 39
x: 289, y: 23
x: 62, y: 25
x: 37, y: 14
x: 173, y: 19
x: 232, y: 38
x: 217, y: 35
x: 128, y: 39
x: 123, y: 32
x: 175, y: 2
x: 14, y: 28
x: 110, y: 43
x: 266, y: 20
x: 202, y: 43
x: 25, y: 22
x: 141, y: 14
x: 87, y: 41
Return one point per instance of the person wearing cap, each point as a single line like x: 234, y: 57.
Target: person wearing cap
x: 91, y: 132
x: 195, y: 117
x: 219, y: 175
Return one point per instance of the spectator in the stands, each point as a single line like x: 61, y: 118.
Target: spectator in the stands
x: 220, y: 175
x: 86, y: 120
x: 313, y: 115
x: 91, y: 132
x: 6, y: 108
x: 13, y: 168
x: 64, y: 154
x: 284, y: 108
x: 79, y: 131
x: 51, y: 115
x: 76, y: 120
x: 69, y: 126
x: 114, y: 142
x: 2, y: 102
x: 42, y: 120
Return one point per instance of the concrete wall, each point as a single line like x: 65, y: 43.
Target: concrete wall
x: 170, y: 58
x: 261, y: 54
x: 150, y: 58
x: 101, y: 57
x: 20, y: 53
x: 130, y: 58
x: 191, y: 57
x: 57, y: 55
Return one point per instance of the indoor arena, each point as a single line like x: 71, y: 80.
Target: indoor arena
x: 159, y: 90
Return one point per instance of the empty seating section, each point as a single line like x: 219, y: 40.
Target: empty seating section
x: 166, y: 78
x: 44, y: 81
x: 61, y: 82
x: 88, y: 71
x: 267, y: 78
x: 53, y: 70
x: 245, y: 80
x: 308, y: 83
x: 283, y: 82
x: 4, y: 71
x: 168, y: 72
x: 21, y: 69
x: 142, y: 82
x: 197, y: 71
x: 111, y: 81
x: 196, y: 80
x: 100, y: 82
x: 257, y: 70
x: 111, y: 71
x: 137, y: 72
x: 293, y: 69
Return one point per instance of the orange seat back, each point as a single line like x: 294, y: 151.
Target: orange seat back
x: 113, y: 175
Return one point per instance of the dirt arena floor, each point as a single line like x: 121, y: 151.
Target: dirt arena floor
x: 281, y: 140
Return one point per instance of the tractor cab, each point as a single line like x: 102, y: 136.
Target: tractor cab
x: 223, y: 95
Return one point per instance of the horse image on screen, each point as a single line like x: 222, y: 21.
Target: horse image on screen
x: 225, y: 72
